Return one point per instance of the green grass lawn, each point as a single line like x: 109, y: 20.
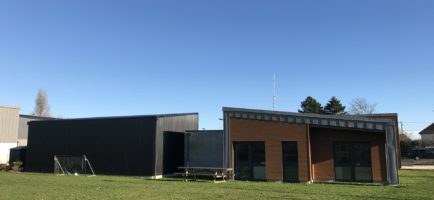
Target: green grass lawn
x: 415, y: 185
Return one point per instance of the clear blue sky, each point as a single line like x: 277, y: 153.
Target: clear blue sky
x: 104, y: 58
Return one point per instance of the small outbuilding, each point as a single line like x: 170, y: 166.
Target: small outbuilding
x: 18, y: 154
x: 145, y: 145
x: 204, y: 148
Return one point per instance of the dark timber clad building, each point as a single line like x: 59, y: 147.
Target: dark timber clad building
x: 130, y: 145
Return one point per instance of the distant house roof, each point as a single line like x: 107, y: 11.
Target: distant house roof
x: 428, y: 130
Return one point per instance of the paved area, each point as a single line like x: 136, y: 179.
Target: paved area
x: 424, y: 164
x: 409, y: 162
x: 422, y: 167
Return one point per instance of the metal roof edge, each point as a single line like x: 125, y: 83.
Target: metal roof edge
x: 116, y: 117
x: 378, y: 115
x: 11, y: 107
x: 194, y: 131
x: 36, y: 117
x: 176, y: 114
x: 322, y: 116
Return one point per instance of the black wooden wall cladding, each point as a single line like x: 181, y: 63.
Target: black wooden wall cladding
x: 171, y: 124
x: 114, y: 145
x: 173, y: 152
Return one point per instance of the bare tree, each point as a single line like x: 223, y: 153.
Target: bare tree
x: 42, y: 108
x: 361, y: 106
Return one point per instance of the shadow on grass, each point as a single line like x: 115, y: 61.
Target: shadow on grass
x: 198, y: 180
x: 167, y: 180
x: 350, y: 183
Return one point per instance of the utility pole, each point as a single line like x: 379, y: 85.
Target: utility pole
x: 274, y: 91
x: 402, y: 127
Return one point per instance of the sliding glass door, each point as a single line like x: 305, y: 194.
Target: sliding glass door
x: 249, y: 160
x: 290, y: 161
x: 352, y: 161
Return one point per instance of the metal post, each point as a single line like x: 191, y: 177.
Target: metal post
x: 90, y: 166
x: 58, y: 163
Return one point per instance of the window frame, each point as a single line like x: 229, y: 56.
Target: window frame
x: 352, y: 161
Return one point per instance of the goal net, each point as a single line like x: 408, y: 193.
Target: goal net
x: 72, y: 165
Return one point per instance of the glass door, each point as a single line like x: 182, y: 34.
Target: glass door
x: 243, y: 169
x: 352, y: 161
x: 290, y: 161
x: 249, y: 160
x: 362, y: 162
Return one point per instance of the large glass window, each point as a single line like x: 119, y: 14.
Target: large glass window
x: 352, y: 161
x: 249, y: 160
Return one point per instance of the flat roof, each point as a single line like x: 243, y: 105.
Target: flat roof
x: 118, y: 117
x: 10, y: 107
x: 35, y: 117
x: 312, y: 119
x: 322, y: 116
x: 379, y: 115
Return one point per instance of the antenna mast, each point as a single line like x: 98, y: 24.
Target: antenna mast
x: 274, y: 91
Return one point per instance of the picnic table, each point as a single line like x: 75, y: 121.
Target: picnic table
x: 215, y: 172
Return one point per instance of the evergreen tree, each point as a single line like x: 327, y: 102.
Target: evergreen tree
x: 310, y: 105
x: 334, y: 107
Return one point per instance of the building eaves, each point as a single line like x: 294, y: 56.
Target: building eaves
x: 120, y: 117
x: 318, y: 120
x: 10, y: 107
x: 36, y: 117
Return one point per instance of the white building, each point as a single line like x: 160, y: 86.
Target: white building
x: 427, y: 135
x: 9, y: 120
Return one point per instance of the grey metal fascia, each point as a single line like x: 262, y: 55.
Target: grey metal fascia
x: 238, y: 112
x: 331, y: 121
x: 391, y: 157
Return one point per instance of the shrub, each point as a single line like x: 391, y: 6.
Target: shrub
x: 17, y: 166
x: 4, y: 167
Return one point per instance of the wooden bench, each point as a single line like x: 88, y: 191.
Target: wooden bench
x: 216, y: 172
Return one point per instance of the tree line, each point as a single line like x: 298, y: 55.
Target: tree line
x: 335, y: 107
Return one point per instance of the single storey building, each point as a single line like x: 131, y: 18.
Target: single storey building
x: 286, y: 146
x: 146, y: 145
x: 23, y: 127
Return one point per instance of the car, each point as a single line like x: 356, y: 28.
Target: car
x: 421, y: 153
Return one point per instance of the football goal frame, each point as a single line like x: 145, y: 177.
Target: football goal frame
x: 72, y: 165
